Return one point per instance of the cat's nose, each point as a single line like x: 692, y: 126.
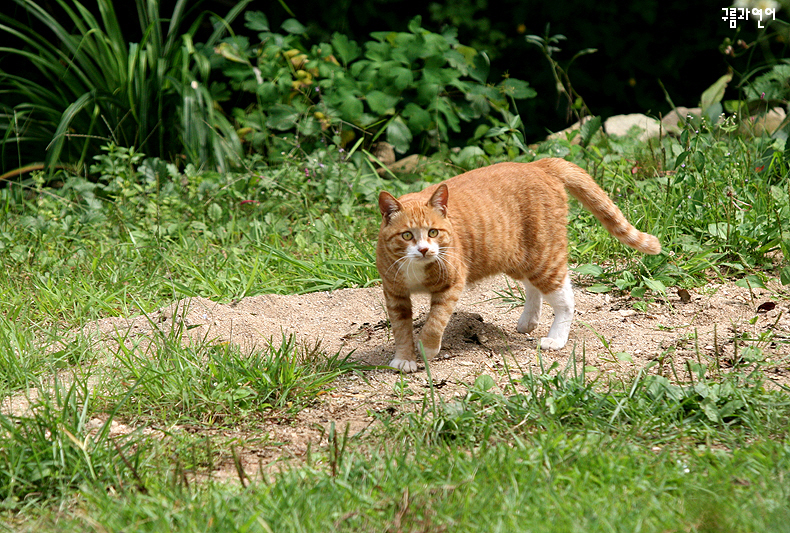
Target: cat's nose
x: 423, y: 250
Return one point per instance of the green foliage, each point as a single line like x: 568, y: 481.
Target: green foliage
x: 772, y: 85
x: 733, y: 200
x: 75, y: 250
x: 650, y: 408
x: 401, y: 86
x: 90, y: 86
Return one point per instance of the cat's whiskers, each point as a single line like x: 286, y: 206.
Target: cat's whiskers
x: 400, y: 262
x: 443, y: 256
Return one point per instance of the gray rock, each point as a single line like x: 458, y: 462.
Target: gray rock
x: 622, y: 124
x: 765, y: 124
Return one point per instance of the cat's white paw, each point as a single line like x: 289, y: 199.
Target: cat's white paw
x: 547, y: 343
x: 405, y: 365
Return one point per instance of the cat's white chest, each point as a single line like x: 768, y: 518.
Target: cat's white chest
x: 414, y: 276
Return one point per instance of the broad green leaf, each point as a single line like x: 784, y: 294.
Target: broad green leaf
x: 256, y: 21
x: 721, y: 230
x: 214, y: 212
x: 468, y: 53
x: 417, y: 118
x: 482, y: 66
x: 655, y: 286
x: 681, y: 157
x: 478, y: 105
x: 230, y: 52
x: 401, y: 78
x: 268, y: 92
x: 714, y: 93
x: 346, y: 49
x: 588, y: 129
x: 428, y: 92
x: 711, y: 412
x: 415, y: 24
x: 467, y: 154
x: 382, y: 103
x: 484, y: 383
x: 624, y: 356
x: 518, y: 89
x: 377, y: 51
x: 350, y: 106
x: 457, y: 60
x: 293, y: 26
x: 589, y: 269
x: 784, y: 275
x: 599, y: 287
x: 750, y: 282
x: 398, y: 135
x: 282, y: 117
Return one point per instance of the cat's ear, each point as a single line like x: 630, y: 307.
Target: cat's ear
x: 439, y: 199
x: 388, y: 205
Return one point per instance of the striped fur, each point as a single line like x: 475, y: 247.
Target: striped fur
x: 507, y: 218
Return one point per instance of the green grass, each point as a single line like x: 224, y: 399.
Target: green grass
x: 684, y: 449
x: 519, y: 466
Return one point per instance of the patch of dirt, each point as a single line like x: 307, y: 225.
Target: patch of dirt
x: 706, y: 325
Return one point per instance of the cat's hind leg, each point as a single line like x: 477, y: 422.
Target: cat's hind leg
x: 533, y: 301
x: 561, y: 301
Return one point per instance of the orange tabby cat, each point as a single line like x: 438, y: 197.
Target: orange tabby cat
x: 506, y: 218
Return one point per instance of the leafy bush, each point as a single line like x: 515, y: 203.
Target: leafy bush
x: 91, y: 86
x: 401, y: 86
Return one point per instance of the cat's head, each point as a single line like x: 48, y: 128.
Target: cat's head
x: 414, y: 229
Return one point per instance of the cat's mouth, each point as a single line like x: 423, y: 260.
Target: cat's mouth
x: 427, y: 258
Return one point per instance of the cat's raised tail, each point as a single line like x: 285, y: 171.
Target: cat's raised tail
x: 592, y: 197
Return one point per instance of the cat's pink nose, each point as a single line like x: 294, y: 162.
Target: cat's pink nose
x: 423, y: 250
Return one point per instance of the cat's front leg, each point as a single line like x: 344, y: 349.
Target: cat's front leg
x: 399, y: 311
x: 442, y: 307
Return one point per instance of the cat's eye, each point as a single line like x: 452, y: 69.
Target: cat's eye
x: 432, y: 233
x: 407, y: 235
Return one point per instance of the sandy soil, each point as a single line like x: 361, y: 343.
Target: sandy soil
x: 480, y: 339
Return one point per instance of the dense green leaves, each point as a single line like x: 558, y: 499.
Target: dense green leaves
x: 399, y: 87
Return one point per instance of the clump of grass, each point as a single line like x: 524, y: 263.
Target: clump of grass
x: 173, y: 379
x: 50, y: 451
